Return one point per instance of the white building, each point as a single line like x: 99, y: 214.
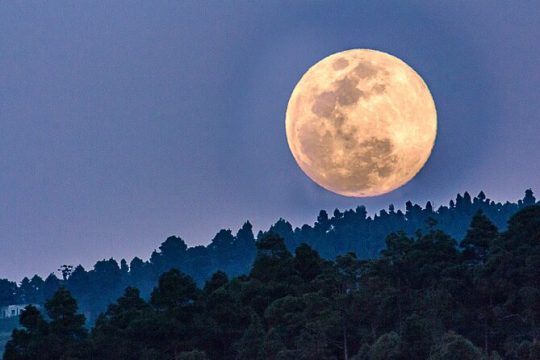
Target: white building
x: 12, y: 310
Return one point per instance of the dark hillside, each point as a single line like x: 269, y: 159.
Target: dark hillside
x: 425, y: 297
x: 233, y: 253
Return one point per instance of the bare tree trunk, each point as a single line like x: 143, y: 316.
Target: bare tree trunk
x: 345, y: 347
x: 400, y: 315
x: 486, y: 343
x: 486, y: 327
x: 534, y: 331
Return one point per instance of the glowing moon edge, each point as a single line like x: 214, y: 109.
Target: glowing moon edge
x: 361, y: 123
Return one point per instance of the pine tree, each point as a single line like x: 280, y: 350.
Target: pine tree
x: 480, y: 236
x: 30, y: 342
x: 67, y: 334
x: 272, y: 345
x: 250, y: 347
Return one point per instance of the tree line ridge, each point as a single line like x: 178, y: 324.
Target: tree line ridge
x: 425, y: 297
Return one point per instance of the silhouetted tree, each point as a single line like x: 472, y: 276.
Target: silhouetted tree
x: 30, y: 342
x: 67, y: 334
x: 422, y: 297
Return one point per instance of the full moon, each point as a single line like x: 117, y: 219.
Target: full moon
x: 361, y: 123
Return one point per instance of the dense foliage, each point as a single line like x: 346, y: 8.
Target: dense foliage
x: 424, y: 297
x: 344, y: 232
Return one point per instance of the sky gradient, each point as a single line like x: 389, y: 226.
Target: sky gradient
x: 122, y: 123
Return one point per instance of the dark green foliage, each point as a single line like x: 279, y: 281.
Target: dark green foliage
x: 456, y: 347
x: 307, y: 262
x: 417, y: 338
x: 50, y: 286
x: 424, y: 297
x: 31, y: 341
x: 273, y: 345
x: 62, y: 337
x: 344, y: 232
x: 250, y: 346
x: 363, y: 354
x: 480, y: 236
x: 174, y: 300
x: 175, y: 290
x: 67, y: 334
x: 534, y: 351
x: 193, y: 355
x: 387, y: 347
x: 114, y: 334
x: 217, y: 280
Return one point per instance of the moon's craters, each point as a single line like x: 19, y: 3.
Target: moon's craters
x: 324, y: 104
x: 317, y: 145
x: 360, y: 165
x: 346, y: 91
x: 377, y: 155
x: 371, y: 160
x: 361, y: 123
x: 366, y: 69
x: 340, y: 63
x: 378, y: 89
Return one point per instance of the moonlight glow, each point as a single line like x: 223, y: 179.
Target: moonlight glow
x: 361, y: 123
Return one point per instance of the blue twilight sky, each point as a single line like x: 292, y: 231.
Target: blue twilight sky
x: 124, y: 122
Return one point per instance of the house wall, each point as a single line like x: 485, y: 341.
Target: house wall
x: 12, y: 310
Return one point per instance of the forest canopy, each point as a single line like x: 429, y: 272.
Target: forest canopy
x: 426, y: 295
